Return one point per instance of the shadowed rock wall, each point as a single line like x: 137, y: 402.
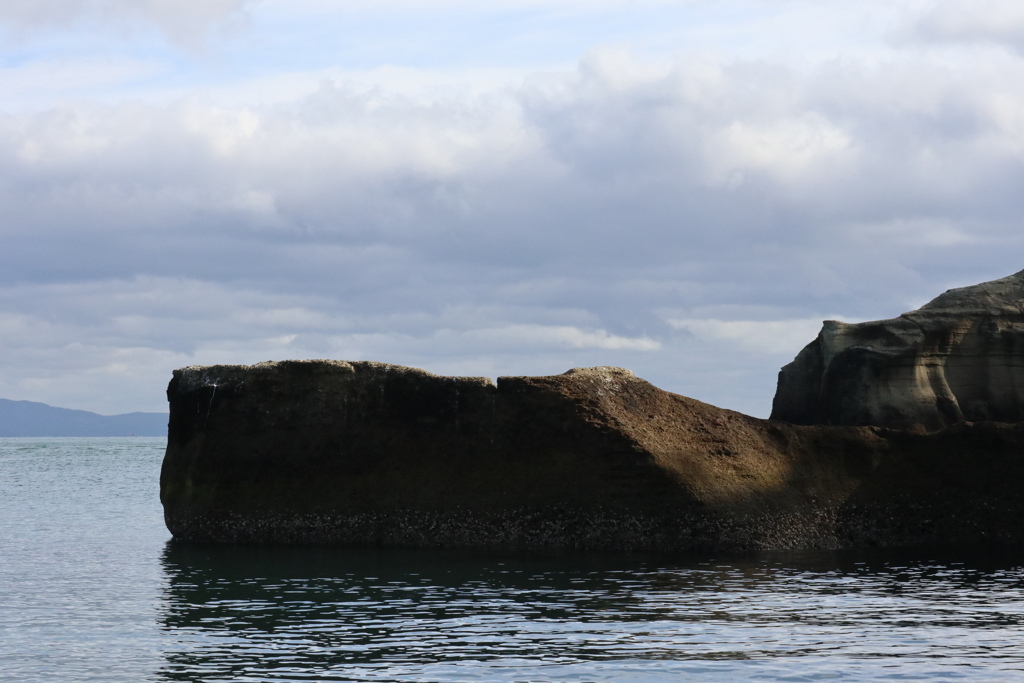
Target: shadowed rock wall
x: 369, y: 453
x: 958, y: 358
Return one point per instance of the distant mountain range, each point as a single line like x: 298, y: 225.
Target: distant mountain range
x: 28, y: 418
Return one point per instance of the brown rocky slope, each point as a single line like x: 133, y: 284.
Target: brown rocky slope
x: 369, y: 453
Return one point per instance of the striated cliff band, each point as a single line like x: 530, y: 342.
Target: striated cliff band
x: 958, y: 358
x: 369, y: 453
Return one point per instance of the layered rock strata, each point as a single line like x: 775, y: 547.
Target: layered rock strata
x: 958, y: 358
x: 369, y: 453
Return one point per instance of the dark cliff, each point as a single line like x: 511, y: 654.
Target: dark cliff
x: 368, y: 453
x: 958, y: 358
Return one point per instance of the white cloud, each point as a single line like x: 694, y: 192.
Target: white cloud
x: 773, y: 337
x: 323, y: 6
x: 970, y: 21
x: 788, y: 148
x: 539, y: 226
x: 186, y: 22
x: 533, y: 336
x: 693, y: 217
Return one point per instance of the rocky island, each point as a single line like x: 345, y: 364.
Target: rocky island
x: 596, y: 458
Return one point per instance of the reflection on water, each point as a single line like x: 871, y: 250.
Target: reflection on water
x: 296, y: 614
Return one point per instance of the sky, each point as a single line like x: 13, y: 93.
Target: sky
x: 683, y: 188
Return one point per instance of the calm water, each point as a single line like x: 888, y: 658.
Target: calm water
x: 91, y: 590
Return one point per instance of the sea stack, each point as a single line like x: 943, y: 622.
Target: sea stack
x: 364, y: 452
x: 959, y: 358
x: 594, y: 459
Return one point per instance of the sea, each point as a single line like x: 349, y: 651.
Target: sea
x: 92, y: 588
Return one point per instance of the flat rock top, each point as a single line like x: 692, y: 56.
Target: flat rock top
x: 209, y: 375
x: 998, y: 297
x: 212, y: 375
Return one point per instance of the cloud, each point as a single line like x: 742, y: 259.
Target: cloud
x: 526, y: 228
x: 772, y: 337
x: 185, y: 22
x: 321, y: 6
x: 998, y: 22
x: 525, y: 336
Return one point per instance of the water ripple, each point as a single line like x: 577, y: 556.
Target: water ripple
x: 369, y: 615
x: 91, y: 591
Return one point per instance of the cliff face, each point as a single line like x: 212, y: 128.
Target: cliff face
x: 958, y: 358
x: 368, y: 453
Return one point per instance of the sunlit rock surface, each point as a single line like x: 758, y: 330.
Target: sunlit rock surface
x: 369, y: 453
x: 958, y: 358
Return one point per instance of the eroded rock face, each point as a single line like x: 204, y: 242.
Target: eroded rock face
x: 369, y: 453
x: 958, y: 358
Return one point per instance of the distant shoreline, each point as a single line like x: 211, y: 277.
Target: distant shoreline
x: 33, y: 419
